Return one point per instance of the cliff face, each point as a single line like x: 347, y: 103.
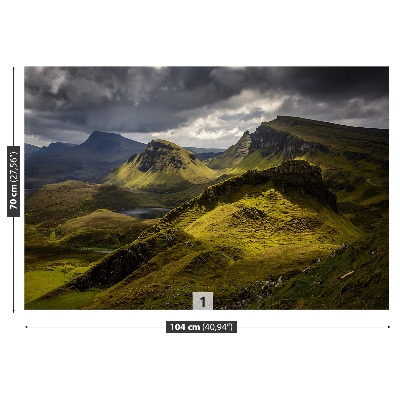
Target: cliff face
x: 243, y: 146
x: 267, y: 141
x: 273, y: 141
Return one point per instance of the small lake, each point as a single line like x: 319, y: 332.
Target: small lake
x: 146, y: 212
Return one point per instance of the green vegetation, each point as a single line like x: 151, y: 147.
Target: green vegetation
x: 65, y: 301
x: 232, y: 156
x: 354, y: 161
x: 162, y: 167
x: 55, y: 255
x: 261, y: 231
x: 232, y: 239
x: 102, y: 228
x: 55, y: 203
x: 49, y: 266
x: 357, y: 277
x: 341, y: 138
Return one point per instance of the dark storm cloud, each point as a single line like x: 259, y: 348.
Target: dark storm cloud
x: 337, y: 82
x: 67, y: 104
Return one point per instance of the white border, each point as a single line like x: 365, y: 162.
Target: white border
x: 275, y: 352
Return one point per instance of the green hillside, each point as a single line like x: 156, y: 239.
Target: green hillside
x: 354, y: 161
x: 56, y: 254
x: 162, y: 167
x: 294, y: 215
x: 242, y: 239
x: 338, y: 137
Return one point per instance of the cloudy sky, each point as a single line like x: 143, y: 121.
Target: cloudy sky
x: 195, y: 106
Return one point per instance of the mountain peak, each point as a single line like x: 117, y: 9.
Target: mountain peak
x: 162, y: 155
x: 161, y: 143
x: 99, y: 135
x: 102, y: 142
x: 162, y: 166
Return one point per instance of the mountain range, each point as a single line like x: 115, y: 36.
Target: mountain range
x: 294, y: 215
x: 89, y: 161
x: 52, y: 148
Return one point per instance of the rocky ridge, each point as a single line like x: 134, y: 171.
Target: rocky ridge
x: 161, y: 155
x: 273, y: 141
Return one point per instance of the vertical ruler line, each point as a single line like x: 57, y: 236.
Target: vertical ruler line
x: 13, y: 217
x: 13, y: 107
x: 13, y: 266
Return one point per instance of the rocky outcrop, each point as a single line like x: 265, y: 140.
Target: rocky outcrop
x: 292, y: 174
x: 161, y: 155
x: 234, y: 154
x: 272, y: 141
x: 268, y: 141
x: 243, y: 146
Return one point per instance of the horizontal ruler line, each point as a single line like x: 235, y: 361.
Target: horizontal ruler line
x: 241, y: 327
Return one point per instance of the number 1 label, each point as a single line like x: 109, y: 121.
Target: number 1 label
x: 202, y: 300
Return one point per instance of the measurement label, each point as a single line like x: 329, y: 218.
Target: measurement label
x: 13, y: 181
x: 201, y: 326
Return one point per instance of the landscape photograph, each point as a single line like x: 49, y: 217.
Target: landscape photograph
x: 267, y: 186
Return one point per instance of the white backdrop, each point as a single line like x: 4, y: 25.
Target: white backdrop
x: 126, y: 354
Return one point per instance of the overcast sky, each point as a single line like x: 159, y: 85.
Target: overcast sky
x: 195, y: 106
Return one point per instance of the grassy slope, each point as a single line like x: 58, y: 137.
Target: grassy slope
x: 47, y: 266
x: 249, y: 235
x: 260, y: 233
x: 55, y: 256
x: 356, y: 278
x: 232, y: 156
x: 356, y: 166
x: 101, y: 228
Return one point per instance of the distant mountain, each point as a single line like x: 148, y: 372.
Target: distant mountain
x: 30, y: 149
x: 55, y: 148
x: 164, y: 167
x: 204, y: 153
x: 108, y: 147
x: 90, y: 161
x: 199, y: 150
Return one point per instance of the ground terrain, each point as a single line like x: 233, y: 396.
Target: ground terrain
x: 293, y: 216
